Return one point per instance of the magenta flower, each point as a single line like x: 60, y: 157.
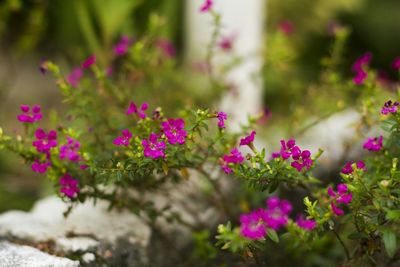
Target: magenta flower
x: 140, y: 112
x: 153, y: 148
x: 253, y: 225
x: 167, y: 47
x: 74, y: 78
x: 69, y: 186
x: 29, y: 115
x: 373, y: 143
x: 359, y: 68
x: 234, y: 157
x: 286, y: 27
x: 124, y: 139
x: 341, y: 196
x: 248, y: 139
x: 40, y: 167
x: 83, y: 166
x: 305, y: 223
x: 121, y: 48
x: 348, y: 168
x: 286, y: 149
x: 389, y: 107
x: 396, y: 64
x: 302, y: 159
x: 222, y: 117
x: 174, y: 131
x: 277, y: 212
x: 226, y: 43
x: 70, y: 150
x: 45, y: 141
x: 43, y: 67
x: 206, y: 6
x: 89, y: 61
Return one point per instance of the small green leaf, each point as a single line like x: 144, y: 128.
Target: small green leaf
x: 273, y: 235
x: 393, y: 215
x: 389, y: 240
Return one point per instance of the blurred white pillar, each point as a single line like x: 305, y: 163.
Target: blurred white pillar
x: 245, y: 19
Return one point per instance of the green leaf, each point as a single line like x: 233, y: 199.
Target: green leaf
x: 389, y: 240
x: 393, y: 215
x: 273, y: 235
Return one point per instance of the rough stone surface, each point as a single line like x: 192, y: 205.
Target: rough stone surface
x: 12, y: 255
x: 89, y: 228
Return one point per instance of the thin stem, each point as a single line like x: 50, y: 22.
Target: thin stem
x: 342, y: 243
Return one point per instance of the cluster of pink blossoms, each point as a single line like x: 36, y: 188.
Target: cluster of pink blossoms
x: 389, y: 107
x: 348, y: 168
x: 138, y: 111
x: 235, y: 157
x: 44, y: 143
x: 174, y: 131
x: 70, y: 150
x: 396, y: 64
x: 341, y: 196
x: 222, y: 117
x: 301, y: 159
x: 153, y: 147
x: 124, y: 139
x: 254, y: 225
x: 74, y: 78
x: 359, y: 68
x: 69, y: 186
x: 30, y: 115
x: 373, y: 143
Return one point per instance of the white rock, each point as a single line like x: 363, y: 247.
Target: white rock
x: 12, y: 255
x: 89, y: 227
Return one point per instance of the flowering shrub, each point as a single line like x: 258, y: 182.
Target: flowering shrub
x: 108, y: 146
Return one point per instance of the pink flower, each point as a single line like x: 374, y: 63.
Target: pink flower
x: 206, y: 6
x: 226, y: 43
x: 306, y: 224
x: 286, y: 27
x: 83, y: 166
x: 70, y: 150
x: 348, y: 168
x: 234, y: 157
x: 222, y: 117
x: 43, y: 67
x: 124, y: 139
x: 28, y: 115
x: 286, y: 149
x: 153, y: 148
x: 74, y: 78
x: 302, y: 159
x: 277, y: 212
x: 167, y: 47
x: 341, y: 196
x: 359, y: 68
x: 44, y: 141
x: 248, y: 139
x: 174, y: 131
x: 121, y: 48
x: 396, y: 64
x: 89, y: 62
x: 40, y: 167
x: 253, y: 225
x: 373, y: 143
x: 389, y: 107
x: 69, y: 186
x: 140, y: 112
